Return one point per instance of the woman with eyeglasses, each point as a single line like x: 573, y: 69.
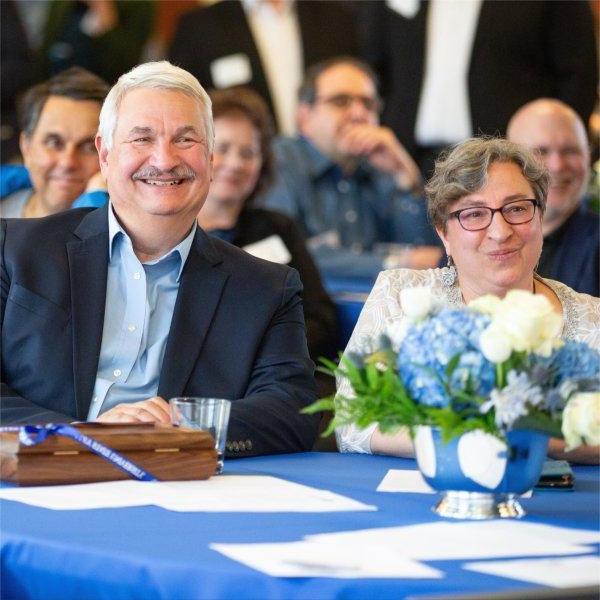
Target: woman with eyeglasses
x: 243, y: 166
x: 486, y: 200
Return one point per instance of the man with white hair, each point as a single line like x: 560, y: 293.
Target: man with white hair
x: 114, y: 310
x: 571, y: 251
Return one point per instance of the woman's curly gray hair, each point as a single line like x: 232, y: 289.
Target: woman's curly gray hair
x: 464, y: 170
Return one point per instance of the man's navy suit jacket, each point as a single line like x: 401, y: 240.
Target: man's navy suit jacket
x: 237, y: 331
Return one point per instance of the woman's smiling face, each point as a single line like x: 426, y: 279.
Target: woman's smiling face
x: 237, y: 159
x: 502, y: 256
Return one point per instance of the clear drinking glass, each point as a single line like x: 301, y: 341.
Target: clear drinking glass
x: 207, y: 414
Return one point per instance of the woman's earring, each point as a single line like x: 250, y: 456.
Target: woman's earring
x: 449, y: 273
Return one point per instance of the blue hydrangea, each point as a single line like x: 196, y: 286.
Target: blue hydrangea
x: 430, y: 345
x: 575, y: 361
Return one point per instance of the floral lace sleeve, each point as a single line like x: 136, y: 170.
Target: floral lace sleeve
x: 381, y: 310
x: 581, y: 314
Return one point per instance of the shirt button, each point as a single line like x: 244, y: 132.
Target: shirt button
x: 95, y: 399
x: 351, y: 216
x: 343, y: 186
x: 131, y: 328
x: 117, y: 372
x: 136, y: 275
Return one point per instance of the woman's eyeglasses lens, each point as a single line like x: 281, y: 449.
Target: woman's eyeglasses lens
x: 480, y: 217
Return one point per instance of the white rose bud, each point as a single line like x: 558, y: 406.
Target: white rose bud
x: 416, y: 302
x: 581, y: 420
x: 495, y: 345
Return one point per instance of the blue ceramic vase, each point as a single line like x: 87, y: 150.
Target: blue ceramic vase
x: 479, y: 475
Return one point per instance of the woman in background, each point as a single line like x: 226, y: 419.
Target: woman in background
x: 243, y: 166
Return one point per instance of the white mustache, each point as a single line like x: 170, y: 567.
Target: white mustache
x: 178, y: 172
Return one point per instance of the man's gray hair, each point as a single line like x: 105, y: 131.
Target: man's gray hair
x: 158, y: 75
x: 464, y: 171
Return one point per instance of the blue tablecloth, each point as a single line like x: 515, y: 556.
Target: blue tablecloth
x: 147, y: 552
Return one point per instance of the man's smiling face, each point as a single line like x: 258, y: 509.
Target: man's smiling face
x: 557, y: 134
x: 60, y: 153
x: 159, y: 164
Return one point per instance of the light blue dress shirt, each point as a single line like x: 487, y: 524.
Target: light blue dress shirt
x: 140, y: 300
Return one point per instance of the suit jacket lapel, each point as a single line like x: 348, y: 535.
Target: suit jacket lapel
x: 88, y: 263
x: 199, y: 294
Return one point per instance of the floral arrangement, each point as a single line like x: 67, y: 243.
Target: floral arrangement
x: 494, y: 365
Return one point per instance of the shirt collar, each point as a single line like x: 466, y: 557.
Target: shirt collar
x: 117, y: 235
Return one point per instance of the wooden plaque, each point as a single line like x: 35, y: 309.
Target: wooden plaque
x: 168, y: 453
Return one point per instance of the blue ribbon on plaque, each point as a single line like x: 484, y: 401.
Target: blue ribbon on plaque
x: 31, y: 435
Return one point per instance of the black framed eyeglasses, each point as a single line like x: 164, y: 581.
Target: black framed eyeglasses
x: 476, y: 218
x: 345, y: 101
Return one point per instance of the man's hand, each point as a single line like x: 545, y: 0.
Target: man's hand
x: 153, y: 410
x: 383, y: 150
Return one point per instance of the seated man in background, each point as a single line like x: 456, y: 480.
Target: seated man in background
x: 59, y: 120
x: 571, y: 251
x: 348, y: 181
x: 108, y: 312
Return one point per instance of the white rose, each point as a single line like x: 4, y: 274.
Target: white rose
x: 495, y: 345
x: 416, y: 302
x: 581, y: 420
x: 529, y: 321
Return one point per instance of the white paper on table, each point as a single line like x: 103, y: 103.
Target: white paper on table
x: 470, y: 540
x: 110, y: 494
x: 252, y: 493
x: 404, y: 480
x: 553, y: 572
x: 312, y: 559
x: 225, y: 493
x: 411, y: 481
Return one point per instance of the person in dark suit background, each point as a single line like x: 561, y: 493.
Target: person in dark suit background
x: 484, y: 61
x: 105, y: 37
x: 264, y: 44
x: 106, y: 312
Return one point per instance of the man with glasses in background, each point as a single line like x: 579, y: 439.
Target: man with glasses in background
x: 348, y: 181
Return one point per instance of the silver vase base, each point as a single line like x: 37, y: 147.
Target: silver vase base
x: 476, y: 505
